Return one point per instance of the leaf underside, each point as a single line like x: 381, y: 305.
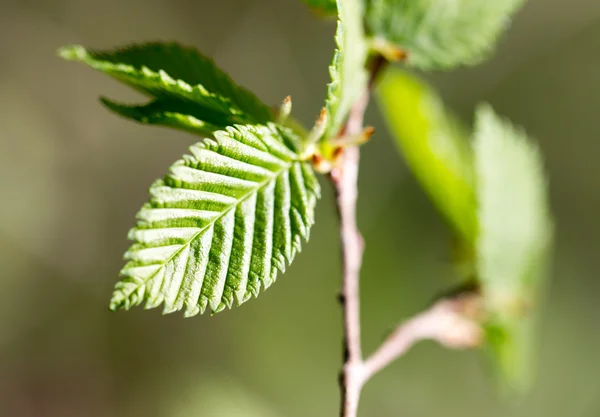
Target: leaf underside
x: 495, y: 194
x: 513, y: 213
x: 515, y: 237
x: 220, y: 225
x: 441, y: 34
x: 227, y: 217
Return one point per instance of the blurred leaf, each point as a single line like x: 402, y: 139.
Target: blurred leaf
x: 511, y: 352
x: 220, y: 225
x: 515, y: 233
x: 349, y: 76
x: 325, y: 7
x: 513, y: 212
x: 435, y: 146
x: 441, y: 34
x: 176, y: 76
x: 497, y: 202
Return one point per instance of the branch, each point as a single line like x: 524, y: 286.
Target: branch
x: 451, y: 322
x: 345, y: 177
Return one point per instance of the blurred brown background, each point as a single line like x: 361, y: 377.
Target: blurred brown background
x: 72, y: 177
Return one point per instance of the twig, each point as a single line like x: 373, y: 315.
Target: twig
x: 449, y: 321
x: 345, y: 177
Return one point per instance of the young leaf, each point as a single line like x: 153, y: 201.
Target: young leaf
x: 325, y: 7
x: 513, y: 213
x: 515, y: 233
x: 348, y: 72
x: 174, y: 114
x: 180, y: 80
x: 441, y: 34
x: 221, y: 224
x: 435, y: 146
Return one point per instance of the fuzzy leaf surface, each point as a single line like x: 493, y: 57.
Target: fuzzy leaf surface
x: 221, y: 224
x: 515, y: 236
x: 441, y: 34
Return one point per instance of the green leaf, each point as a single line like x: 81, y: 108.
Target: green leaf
x: 221, y: 224
x: 229, y: 216
x: 349, y: 76
x: 512, y: 353
x: 176, y: 76
x: 513, y: 213
x: 441, y: 34
x: 495, y: 195
x: 434, y: 145
x: 515, y: 235
x: 175, y: 114
x: 325, y: 7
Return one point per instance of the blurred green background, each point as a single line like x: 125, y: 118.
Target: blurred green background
x: 72, y: 177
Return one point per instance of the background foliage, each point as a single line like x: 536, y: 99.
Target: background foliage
x: 66, y: 205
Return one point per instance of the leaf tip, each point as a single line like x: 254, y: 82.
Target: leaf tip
x: 485, y: 111
x: 285, y: 109
x: 107, y: 102
x: 72, y: 52
x: 320, y: 126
